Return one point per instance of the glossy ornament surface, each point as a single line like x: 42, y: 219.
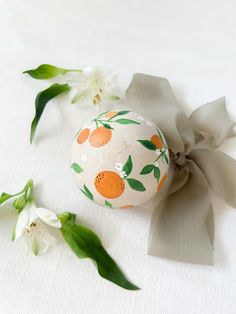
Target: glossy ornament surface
x: 120, y: 159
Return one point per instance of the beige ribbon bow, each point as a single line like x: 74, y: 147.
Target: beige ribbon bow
x: 182, y: 226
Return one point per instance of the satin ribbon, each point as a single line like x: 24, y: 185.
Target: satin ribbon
x: 182, y: 226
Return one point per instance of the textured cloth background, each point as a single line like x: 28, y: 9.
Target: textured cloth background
x: 193, y: 45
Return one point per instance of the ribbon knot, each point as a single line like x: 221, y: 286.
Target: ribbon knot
x: 182, y: 226
x: 178, y: 158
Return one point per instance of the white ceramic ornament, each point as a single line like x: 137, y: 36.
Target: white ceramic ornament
x: 120, y: 159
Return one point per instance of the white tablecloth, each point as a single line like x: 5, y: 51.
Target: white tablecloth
x: 192, y: 43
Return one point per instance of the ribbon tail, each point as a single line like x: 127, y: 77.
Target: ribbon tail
x: 212, y: 122
x: 220, y: 172
x: 182, y: 226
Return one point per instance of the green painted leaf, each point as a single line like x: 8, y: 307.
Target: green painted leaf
x: 86, y: 244
x: 147, y: 169
x: 87, y: 192
x: 136, y: 185
x: 107, y: 126
x: 166, y: 159
x: 148, y: 144
x: 157, y: 173
x: 161, y: 135
x: 127, y: 168
x: 108, y: 204
x: 41, y: 101
x: 77, y: 168
x: 126, y: 121
x: 47, y: 71
x: 102, y: 114
x: 120, y: 113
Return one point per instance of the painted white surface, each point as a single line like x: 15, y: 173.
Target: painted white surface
x: 192, y: 43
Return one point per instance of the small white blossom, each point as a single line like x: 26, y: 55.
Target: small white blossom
x: 156, y: 164
x: 149, y: 123
x: 31, y: 225
x: 84, y: 157
x: 118, y: 166
x: 158, y: 151
x: 123, y: 174
x: 140, y: 118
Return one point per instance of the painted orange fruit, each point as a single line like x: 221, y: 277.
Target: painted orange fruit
x: 83, y: 136
x: 126, y: 206
x: 110, y: 114
x: 157, y: 141
x: 100, y: 137
x: 109, y: 184
x: 161, y: 183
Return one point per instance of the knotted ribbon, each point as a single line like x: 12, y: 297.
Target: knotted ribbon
x: 182, y: 226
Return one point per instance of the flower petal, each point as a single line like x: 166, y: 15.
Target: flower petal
x: 21, y: 224
x: 48, y: 217
x: 39, y: 244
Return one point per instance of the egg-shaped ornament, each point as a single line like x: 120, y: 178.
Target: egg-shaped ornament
x: 120, y: 159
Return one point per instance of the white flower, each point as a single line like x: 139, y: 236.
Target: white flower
x: 84, y: 157
x: 118, y: 166
x: 123, y: 174
x: 31, y: 225
x: 149, y: 123
x: 140, y: 118
x: 158, y: 151
x: 156, y: 164
x: 95, y: 84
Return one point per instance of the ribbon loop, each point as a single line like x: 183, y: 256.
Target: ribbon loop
x: 182, y: 226
x: 211, y: 122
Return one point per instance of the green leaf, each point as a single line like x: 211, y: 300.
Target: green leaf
x: 76, y: 167
x: 147, y: 169
x: 87, y: 192
x: 4, y: 197
x: 136, y: 185
x: 67, y: 217
x: 27, y: 191
x: 160, y: 135
x: 107, y: 126
x: 108, y: 204
x: 47, y: 71
x: 86, y: 244
x: 127, y: 168
x: 42, y: 99
x: 120, y: 113
x: 157, y: 173
x: 166, y: 159
x: 126, y: 121
x: 148, y: 144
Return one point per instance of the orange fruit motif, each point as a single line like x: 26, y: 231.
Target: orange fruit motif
x: 110, y: 114
x: 126, y: 206
x: 157, y: 141
x: 109, y: 184
x: 83, y: 136
x: 161, y: 183
x: 100, y: 137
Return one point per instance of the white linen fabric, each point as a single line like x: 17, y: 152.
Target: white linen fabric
x: 190, y: 43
